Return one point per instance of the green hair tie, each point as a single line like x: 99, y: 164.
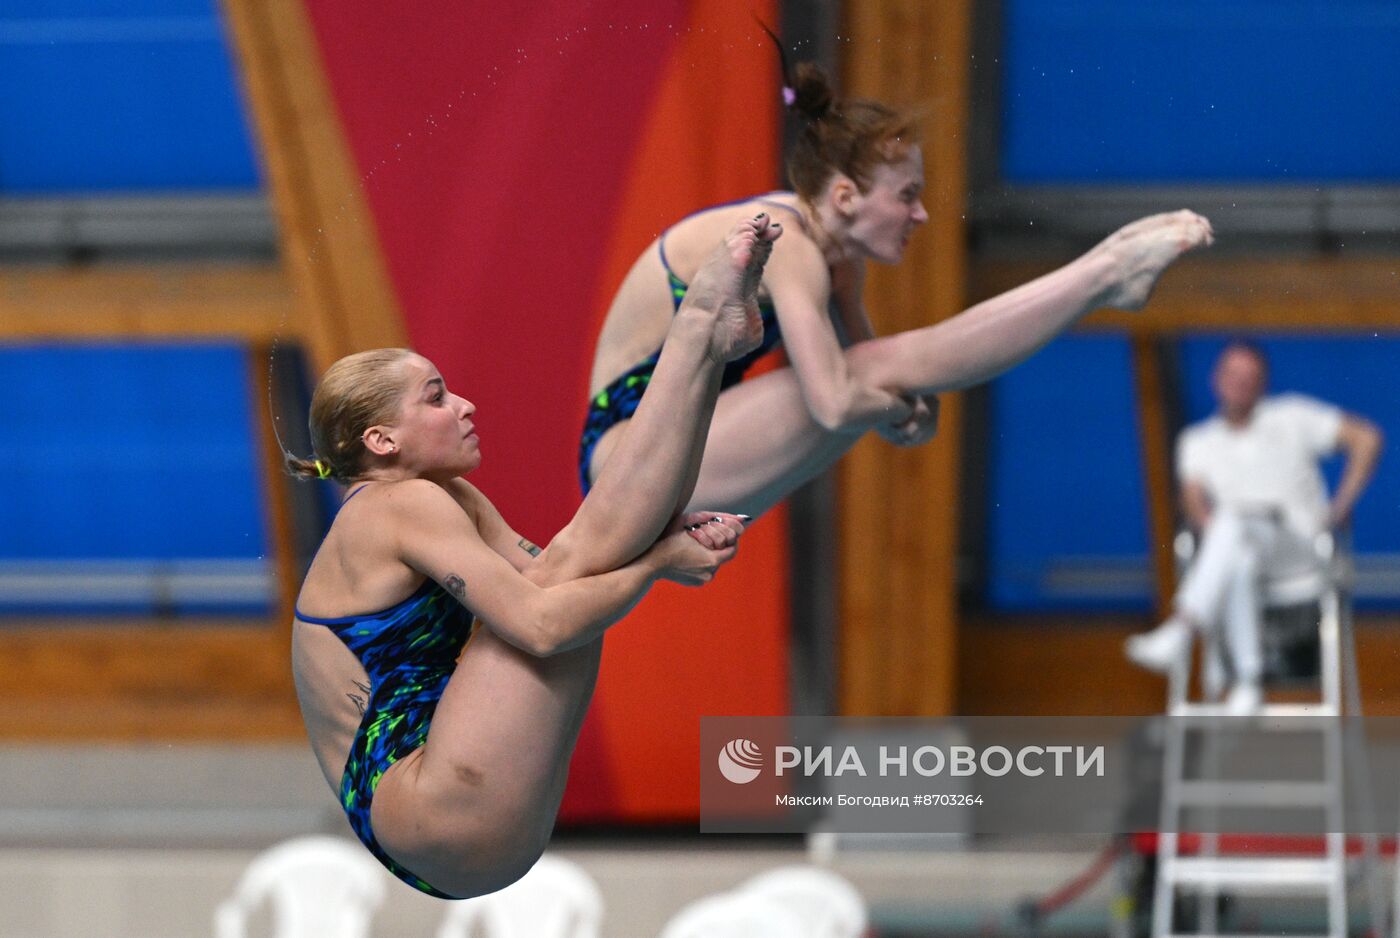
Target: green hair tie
x: 323, y: 471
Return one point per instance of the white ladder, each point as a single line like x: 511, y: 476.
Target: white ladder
x: 1208, y: 873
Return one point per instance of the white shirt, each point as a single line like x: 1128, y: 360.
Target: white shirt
x: 1268, y: 464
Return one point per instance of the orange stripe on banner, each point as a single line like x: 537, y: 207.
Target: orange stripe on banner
x: 712, y: 135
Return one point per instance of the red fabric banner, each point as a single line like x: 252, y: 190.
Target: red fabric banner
x: 517, y: 160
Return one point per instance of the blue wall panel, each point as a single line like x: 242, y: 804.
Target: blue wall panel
x: 129, y: 462
x: 1067, y: 516
x: 1122, y: 91
x: 103, y: 97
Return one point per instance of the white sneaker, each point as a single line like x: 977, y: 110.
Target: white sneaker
x: 1160, y: 648
x: 1245, y: 699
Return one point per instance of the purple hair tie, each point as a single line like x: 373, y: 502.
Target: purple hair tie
x: 789, y: 96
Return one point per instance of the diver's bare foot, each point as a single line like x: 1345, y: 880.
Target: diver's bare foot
x: 1141, y: 251
x: 726, y: 287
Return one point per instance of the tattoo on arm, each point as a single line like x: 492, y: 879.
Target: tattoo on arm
x: 529, y: 548
x: 360, y: 702
x: 456, y: 586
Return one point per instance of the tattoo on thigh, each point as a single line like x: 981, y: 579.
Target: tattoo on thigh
x: 529, y: 548
x: 456, y: 586
x: 359, y: 701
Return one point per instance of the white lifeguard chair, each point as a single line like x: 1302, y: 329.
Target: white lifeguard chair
x: 1209, y: 873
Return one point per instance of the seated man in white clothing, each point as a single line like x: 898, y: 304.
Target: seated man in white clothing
x: 1251, y: 488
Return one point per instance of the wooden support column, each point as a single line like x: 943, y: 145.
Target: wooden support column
x: 1156, y: 435
x: 898, y: 513
x: 328, y: 239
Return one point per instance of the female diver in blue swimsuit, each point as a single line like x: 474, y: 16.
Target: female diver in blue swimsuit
x: 858, y: 175
x: 450, y: 755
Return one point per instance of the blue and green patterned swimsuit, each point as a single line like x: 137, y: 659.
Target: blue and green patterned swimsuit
x: 618, y: 401
x: 409, y: 651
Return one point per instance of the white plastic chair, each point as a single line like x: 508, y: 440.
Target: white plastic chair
x: 556, y: 899
x: 319, y: 887
x: 737, y: 914
x: 827, y: 903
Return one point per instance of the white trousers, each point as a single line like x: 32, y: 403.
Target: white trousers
x: 1224, y: 588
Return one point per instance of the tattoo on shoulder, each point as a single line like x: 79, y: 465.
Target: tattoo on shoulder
x: 360, y: 700
x: 456, y: 586
x: 529, y: 548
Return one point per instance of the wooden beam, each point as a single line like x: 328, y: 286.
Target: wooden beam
x: 179, y: 301
x: 1054, y: 665
x: 1075, y: 666
x: 1227, y: 294
x: 206, y: 679
x: 898, y: 508
x: 189, y: 719
x: 191, y: 656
